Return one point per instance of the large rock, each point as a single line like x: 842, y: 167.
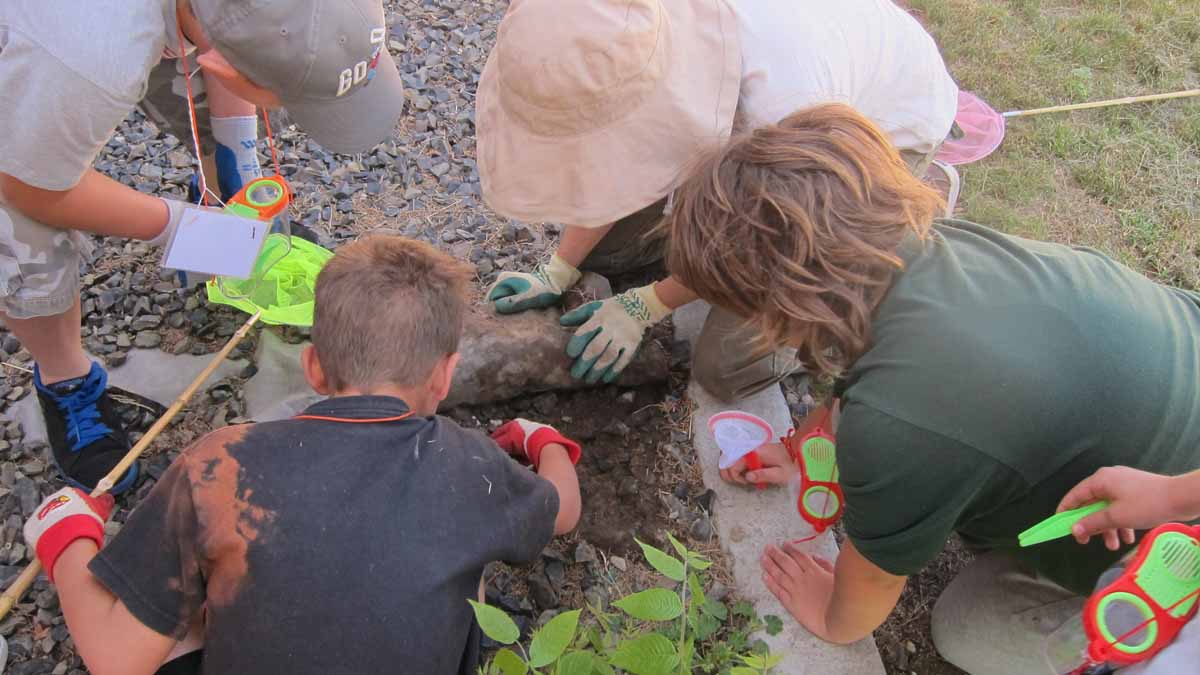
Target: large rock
x: 502, y: 357
x: 508, y: 356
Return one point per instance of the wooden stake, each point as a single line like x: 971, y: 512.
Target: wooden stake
x: 1104, y: 104
x: 23, y: 582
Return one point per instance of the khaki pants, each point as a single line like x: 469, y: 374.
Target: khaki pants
x: 724, y: 362
x: 993, y: 619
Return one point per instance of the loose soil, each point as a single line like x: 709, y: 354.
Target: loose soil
x: 904, y: 640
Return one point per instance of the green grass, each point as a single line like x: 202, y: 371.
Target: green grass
x: 1125, y: 180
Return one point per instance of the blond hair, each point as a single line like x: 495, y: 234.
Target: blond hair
x: 795, y: 226
x: 387, y: 309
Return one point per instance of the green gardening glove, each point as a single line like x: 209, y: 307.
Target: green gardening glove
x: 611, y: 332
x: 518, y: 291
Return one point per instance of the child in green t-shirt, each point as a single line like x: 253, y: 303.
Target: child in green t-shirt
x: 979, y: 377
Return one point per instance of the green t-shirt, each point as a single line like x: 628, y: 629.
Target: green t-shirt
x: 1002, y: 372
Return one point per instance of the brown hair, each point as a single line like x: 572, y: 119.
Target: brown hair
x: 387, y: 309
x: 795, y: 226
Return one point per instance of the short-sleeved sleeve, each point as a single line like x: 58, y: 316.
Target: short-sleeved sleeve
x: 153, y: 564
x: 905, y: 487
x: 521, y: 508
x: 53, y: 121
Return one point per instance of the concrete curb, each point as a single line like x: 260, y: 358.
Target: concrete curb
x: 747, y: 520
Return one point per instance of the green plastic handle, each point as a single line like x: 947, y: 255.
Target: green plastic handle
x: 1059, y: 525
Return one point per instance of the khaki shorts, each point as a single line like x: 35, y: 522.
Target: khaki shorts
x: 39, y: 266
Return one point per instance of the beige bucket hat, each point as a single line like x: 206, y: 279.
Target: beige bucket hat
x: 589, y: 110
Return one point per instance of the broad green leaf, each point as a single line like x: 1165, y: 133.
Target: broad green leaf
x: 576, y: 663
x: 495, y: 623
x: 603, y: 668
x: 774, y: 624
x: 655, y: 604
x: 666, y: 565
x: 679, y: 548
x: 688, y: 657
x: 742, y: 670
x: 509, y: 663
x: 774, y: 660
x: 551, y: 640
x: 697, y: 562
x: 697, y: 589
x: 650, y: 654
x: 715, y: 609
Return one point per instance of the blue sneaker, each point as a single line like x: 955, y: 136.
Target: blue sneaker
x: 87, y: 435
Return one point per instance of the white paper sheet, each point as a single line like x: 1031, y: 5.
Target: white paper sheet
x: 216, y: 243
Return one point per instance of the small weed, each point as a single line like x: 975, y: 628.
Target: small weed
x: 658, y: 631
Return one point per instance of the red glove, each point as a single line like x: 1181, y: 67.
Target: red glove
x: 524, y: 440
x: 65, y: 516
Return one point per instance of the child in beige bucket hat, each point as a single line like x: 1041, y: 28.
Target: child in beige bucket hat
x: 588, y: 114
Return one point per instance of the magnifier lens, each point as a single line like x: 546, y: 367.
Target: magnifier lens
x: 264, y: 193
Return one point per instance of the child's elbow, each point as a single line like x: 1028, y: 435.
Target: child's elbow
x: 567, y: 519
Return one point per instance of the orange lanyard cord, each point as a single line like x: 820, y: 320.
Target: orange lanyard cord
x: 270, y: 140
x: 187, y: 81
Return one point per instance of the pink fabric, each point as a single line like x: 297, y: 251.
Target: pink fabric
x: 983, y: 129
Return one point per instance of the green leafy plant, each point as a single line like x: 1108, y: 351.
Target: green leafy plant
x: 658, y: 631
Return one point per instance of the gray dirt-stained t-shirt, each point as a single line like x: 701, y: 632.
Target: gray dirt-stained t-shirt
x: 69, y: 73
x: 1002, y: 372
x: 330, y: 547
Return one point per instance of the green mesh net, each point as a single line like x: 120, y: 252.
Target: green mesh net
x: 281, y: 285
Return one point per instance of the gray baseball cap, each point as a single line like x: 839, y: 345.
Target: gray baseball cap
x: 327, y: 60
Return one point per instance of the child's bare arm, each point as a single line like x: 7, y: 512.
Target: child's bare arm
x: 556, y: 467
x: 1139, y: 500
x: 553, y: 456
x: 66, y: 531
x: 97, y: 204
x: 108, y: 637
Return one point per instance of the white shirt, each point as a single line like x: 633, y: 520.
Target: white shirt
x: 869, y: 54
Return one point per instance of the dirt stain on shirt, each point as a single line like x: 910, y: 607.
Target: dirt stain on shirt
x: 229, y: 522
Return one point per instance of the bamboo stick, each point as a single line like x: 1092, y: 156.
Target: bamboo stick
x: 1104, y: 104
x: 22, y: 583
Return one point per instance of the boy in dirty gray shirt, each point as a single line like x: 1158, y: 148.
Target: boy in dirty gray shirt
x: 347, y: 539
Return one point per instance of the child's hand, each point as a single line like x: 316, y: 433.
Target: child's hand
x: 65, y: 516
x: 777, y: 467
x: 524, y: 440
x: 1139, y: 500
